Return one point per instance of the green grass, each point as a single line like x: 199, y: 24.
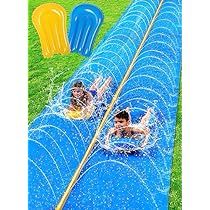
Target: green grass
x: 42, y: 71
x: 175, y: 201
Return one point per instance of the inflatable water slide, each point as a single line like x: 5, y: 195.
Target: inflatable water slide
x: 68, y: 166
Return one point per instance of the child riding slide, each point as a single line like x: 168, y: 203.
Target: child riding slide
x: 82, y: 100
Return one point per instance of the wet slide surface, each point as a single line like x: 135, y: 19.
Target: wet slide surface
x: 112, y: 180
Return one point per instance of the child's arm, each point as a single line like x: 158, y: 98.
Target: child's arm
x: 109, y: 134
x: 90, y: 99
x: 146, y: 117
x: 89, y: 108
x: 145, y: 142
x: 144, y: 131
x: 71, y: 107
x: 141, y: 131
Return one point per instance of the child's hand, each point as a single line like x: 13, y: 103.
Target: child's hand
x: 146, y: 130
x: 106, y: 146
x: 71, y: 108
x: 112, y: 130
x: 144, y: 144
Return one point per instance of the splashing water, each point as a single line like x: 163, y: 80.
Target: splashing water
x: 134, y: 144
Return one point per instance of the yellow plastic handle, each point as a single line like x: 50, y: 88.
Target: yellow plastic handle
x: 50, y: 23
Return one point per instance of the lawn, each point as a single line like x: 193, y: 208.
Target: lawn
x: 175, y: 202
x: 45, y: 76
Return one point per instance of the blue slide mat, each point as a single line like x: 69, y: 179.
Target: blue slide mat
x: 139, y: 180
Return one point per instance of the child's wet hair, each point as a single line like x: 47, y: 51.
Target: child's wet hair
x: 123, y: 115
x: 78, y: 84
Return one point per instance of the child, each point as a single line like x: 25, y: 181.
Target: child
x: 81, y: 102
x: 124, y: 129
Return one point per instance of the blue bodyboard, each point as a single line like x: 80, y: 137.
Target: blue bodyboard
x: 84, y: 25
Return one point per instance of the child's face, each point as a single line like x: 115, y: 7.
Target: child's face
x: 77, y: 92
x: 120, y: 123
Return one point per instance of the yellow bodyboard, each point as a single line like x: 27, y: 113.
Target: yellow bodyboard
x: 74, y: 114
x: 80, y: 114
x: 50, y: 22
